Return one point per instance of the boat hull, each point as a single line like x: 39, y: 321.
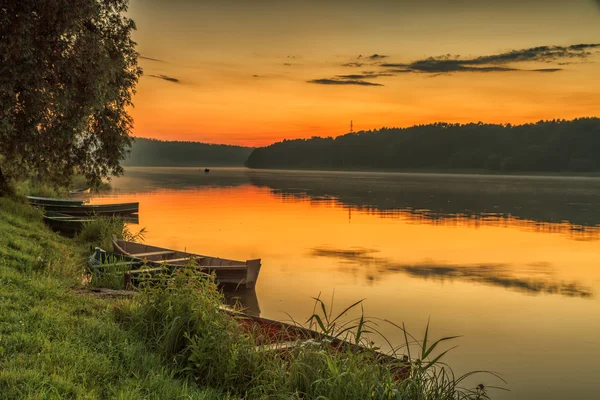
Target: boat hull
x: 80, y: 191
x: 46, y: 201
x: 281, y: 337
x: 66, y: 225
x: 96, y: 209
x: 227, y: 272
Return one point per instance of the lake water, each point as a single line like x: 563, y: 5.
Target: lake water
x: 510, y: 263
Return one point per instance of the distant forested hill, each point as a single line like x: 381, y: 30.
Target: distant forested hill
x: 150, y: 152
x: 547, y: 146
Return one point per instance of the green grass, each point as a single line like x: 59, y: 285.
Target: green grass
x: 58, y: 344
x: 33, y: 188
x: 172, y: 340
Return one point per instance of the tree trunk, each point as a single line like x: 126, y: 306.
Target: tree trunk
x: 4, y: 185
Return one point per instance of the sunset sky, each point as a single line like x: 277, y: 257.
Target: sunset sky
x: 254, y: 72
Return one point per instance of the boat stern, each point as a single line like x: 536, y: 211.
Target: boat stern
x: 253, y: 268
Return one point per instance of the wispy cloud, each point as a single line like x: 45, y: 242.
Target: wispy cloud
x: 337, y: 81
x: 166, y: 78
x: 353, y: 64
x: 497, y: 62
x: 447, y: 64
x: 151, y: 59
x: 364, y: 75
x: 547, y: 70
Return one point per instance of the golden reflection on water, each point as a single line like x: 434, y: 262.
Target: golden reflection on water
x: 523, y: 293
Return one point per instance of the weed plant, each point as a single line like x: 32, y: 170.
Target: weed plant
x: 184, y: 321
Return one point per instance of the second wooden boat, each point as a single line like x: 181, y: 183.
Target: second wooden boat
x: 283, y: 337
x: 48, y: 201
x: 95, y: 209
x: 67, y: 225
x: 227, y: 272
x: 80, y: 191
x: 70, y: 225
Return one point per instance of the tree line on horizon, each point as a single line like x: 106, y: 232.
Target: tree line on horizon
x: 153, y: 152
x: 545, y: 146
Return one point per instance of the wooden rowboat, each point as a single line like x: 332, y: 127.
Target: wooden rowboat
x: 283, y: 337
x: 47, y: 201
x: 70, y: 225
x: 227, y: 272
x: 80, y: 191
x: 96, y: 209
x: 67, y: 225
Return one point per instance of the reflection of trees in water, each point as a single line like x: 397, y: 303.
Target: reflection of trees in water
x: 545, y: 204
x: 575, y: 232
x: 145, y: 179
x: 539, y: 277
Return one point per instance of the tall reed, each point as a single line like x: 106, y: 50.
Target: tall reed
x: 182, y: 318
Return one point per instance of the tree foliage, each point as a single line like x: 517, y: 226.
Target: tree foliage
x: 68, y: 69
x: 158, y: 153
x: 546, y: 146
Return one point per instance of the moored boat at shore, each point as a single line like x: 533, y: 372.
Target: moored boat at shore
x: 47, y: 201
x: 91, y: 209
x: 283, y: 337
x: 70, y: 225
x: 80, y: 191
x: 227, y: 272
x: 67, y: 225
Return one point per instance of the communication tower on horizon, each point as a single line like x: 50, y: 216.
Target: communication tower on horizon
x: 351, y: 127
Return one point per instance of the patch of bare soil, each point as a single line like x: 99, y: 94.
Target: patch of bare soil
x: 103, y: 293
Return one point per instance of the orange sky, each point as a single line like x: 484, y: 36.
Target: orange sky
x: 240, y: 72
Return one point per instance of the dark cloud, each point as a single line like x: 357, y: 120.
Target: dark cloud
x: 398, y: 71
x: 364, y: 75
x: 547, y: 70
x: 394, y: 65
x: 287, y: 64
x: 496, y: 62
x: 540, y: 54
x: 166, y: 78
x: 353, y: 64
x: 258, y: 76
x: 150, y: 59
x: 337, y: 81
x: 436, y: 65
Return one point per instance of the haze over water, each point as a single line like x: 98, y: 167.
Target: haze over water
x: 511, y: 263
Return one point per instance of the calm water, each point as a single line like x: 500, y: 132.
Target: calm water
x: 510, y: 263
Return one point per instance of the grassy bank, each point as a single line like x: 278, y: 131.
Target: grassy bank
x: 171, y: 340
x: 56, y: 343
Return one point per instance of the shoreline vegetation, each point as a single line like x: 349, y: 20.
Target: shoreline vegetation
x: 64, y: 337
x: 556, y: 146
x: 438, y: 171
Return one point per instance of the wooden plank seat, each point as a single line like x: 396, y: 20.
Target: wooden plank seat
x: 170, y: 260
x: 153, y: 253
x: 223, y: 267
x: 147, y: 271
